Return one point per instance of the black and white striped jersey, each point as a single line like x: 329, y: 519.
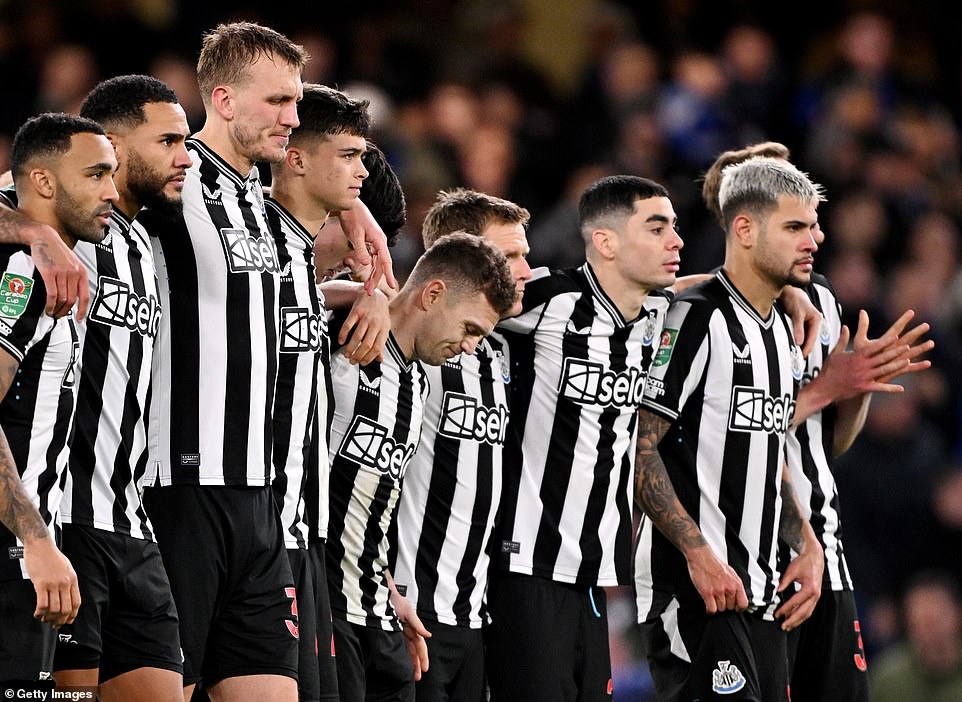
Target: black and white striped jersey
x: 108, y: 446
x: 810, y: 447
x: 378, y: 410
x: 578, y: 376
x: 453, y: 488
x: 727, y: 381
x: 37, y: 411
x: 301, y: 394
x: 215, y: 364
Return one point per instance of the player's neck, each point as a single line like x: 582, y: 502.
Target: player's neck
x: 43, y: 216
x: 307, y: 211
x: 758, y: 289
x: 218, y: 140
x: 404, y: 312
x: 627, y: 295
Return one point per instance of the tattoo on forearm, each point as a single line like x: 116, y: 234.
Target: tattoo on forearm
x: 654, y: 491
x: 17, y: 511
x: 790, y: 526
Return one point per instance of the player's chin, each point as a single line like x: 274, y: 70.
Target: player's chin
x: 799, y: 279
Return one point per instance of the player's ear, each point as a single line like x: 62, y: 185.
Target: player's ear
x: 43, y: 181
x: 743, y: 230
x: 433, y: 293
x: 222, y: 100
x: 604, y: 242
x: 295, y: 160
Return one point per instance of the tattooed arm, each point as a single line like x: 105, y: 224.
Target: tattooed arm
x: 806, y: 568
x: 53, y: 578
x: 64, y: 276
x: 716, y: 581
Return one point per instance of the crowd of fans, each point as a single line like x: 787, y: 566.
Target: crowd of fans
x: 860, y: 97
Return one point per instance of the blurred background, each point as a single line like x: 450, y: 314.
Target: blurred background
x: 533, y: 99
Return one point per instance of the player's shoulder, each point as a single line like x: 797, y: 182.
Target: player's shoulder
x: 546, y: 284
x: 708, y: 294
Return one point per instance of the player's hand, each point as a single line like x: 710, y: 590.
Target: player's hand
x: 806, y: 319
x: 365, y: 331
x: 716, y: 581
x: 54, y: 580
x: 806, y: 570
x: 415, y: 634
x: 915, y: 347
x: 370, y: 245
x: 64, y: 276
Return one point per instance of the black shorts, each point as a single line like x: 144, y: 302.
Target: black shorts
x: 733, y: 656
x: 372, y: 664
x: 26, y: 644
x: 308, y: 686
x: 231, y: 580
x: 547, y: 641
x: 829, y: 659
x: 128, y: 619
x: 456, y: 665
x: 326, y: 661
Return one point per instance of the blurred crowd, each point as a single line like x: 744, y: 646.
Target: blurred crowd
x: 505, y: 98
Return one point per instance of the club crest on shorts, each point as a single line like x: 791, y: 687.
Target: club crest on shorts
x: 728, y: 679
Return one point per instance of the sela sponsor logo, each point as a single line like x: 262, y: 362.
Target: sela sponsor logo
x: 118, y: 306
x: 368, y: 444
x: 753, y: 409
x: 589, y: 383
x: 248, y: 254
x: 464, y: 418
x: 302, y: 331
x: 728, y: 679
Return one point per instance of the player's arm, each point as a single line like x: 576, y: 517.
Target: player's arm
x: 414, y: 631
x: 365, y: 330
x: 64, y: 276
x: 806, y: 568
x: 805, y: 317
x: 361, y: 228
x: 716, y: 581
x: 53, y: 578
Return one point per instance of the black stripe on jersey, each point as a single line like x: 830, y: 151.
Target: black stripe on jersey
x: 590, y: 541
x: 776, y: 460
x: 237, y: 398
x: 440, y: 495
x: 564, y: 435
x: 185, y: 336
x: 483, y: 496
x: 734, y: 479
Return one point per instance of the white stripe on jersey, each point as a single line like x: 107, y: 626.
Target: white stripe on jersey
x: 584, y: 368
x: 38, y: 407
x: 375, y: 431
x: 216, y: 363
x: 712, y: 380
x: 815, y: 487
x: 453, y: 488
x: 108, y: 452
x: 301, y: 396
